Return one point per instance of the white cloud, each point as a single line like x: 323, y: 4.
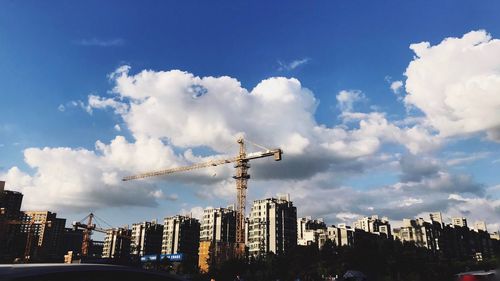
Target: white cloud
x: 466, y: 158
x: 293, y: 64
x: 61, y: 108
x: 455, y: 84
x: 410, y: 201
x: 80, y: 179
x: 396, y: 86
x: 346, y: 99
x: 117, y: 128
x: 169, y: 110
x: 102, y: 103
x: 96, y: 42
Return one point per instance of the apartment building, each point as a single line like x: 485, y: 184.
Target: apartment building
x: 272, y: 226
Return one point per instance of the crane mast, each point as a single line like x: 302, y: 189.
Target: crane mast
x: 241, y: 178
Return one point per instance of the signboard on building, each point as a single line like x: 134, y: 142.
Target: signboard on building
x: 172, y: 257
x: 169, y: 257
x: 149, y: 258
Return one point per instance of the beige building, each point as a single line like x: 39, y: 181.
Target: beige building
x: 181, y: 235
x: 374, y: 225
x: 462, y: 222
x: 311, y: 231
x: 217, y: 236
x: 146, y: 238
x: 272, y: 226
x: 117, y: 243
x: 47, y: 231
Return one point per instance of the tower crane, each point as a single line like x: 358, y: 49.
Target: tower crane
x: 241, y: 176
x: 30, y: 233
x: 88, y: 228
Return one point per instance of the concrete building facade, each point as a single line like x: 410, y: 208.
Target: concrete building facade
x: 374, y: 225
x: 181, y: 234
x: 146, y: 238
x: 217, y: 236
x: 11, y: 242
x: 311, y: 231
x: 272, y: 226
x: 47, y: 234
x: 117, y: 244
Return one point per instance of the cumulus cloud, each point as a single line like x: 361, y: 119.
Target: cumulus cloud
x: 396, y: 86
x: 172, y: 113
x: 169, y: 111
x: 346, y: 99
x: 81, y: 179
x: 455, y: 84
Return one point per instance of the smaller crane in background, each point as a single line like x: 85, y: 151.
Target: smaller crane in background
x: 88, y: 228
x: 30, y: 234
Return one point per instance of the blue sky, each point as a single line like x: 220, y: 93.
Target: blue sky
x: 54, y: 55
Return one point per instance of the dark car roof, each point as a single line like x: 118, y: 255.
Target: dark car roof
x: 20, y: 271
x: 478, y: 273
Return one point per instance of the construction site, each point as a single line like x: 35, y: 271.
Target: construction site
x: 231, y: 225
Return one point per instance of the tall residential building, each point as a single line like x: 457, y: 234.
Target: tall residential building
x: 117, y: 243
x: 311, y: 231
x: 47, y: 233
x: 218, y: 224
x: 346, y: 235
x: 462, y: 222
x: 146, y: 238
x: 272, y: 226
x: 422, y: 233
x: 10, y: 202
x: 374, y: 225
x: 181, y: 234
x: 11, y: 243
x: 217, y: 236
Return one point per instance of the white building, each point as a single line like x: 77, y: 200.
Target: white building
x: 146, y: 238
x: 311, y: 231
x: 116, y: 243
x: 462, y: 222
x: 272, y: 226
x: 181, y: 234
x: 218, y: 224
x: 374, y: 225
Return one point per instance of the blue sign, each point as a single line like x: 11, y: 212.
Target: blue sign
x: 149, y: 258
x: 172, y: 257
x: 169, y: 257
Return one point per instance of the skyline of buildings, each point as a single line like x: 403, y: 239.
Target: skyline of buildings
x: 271, y: 226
